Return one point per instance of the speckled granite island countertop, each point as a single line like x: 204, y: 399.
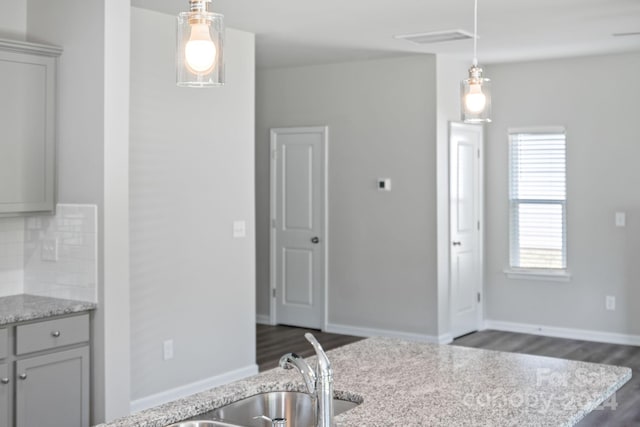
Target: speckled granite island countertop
x: 404, y: 384
x: 20, y: 308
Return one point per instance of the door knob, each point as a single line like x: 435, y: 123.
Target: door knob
x: 315, y: 240
x: 457, y: 243
x: 4, y: 381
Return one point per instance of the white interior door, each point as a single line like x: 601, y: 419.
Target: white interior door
x: 298, y: 234
x: 465, y: 181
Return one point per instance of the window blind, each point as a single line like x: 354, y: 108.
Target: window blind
x: 537, y: 200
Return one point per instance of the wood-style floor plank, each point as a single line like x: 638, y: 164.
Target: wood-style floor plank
x: 274, y: 341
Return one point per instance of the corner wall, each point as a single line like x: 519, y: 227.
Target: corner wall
x: 382, y: 245
x: 191, y: 176
x: 596, y: 99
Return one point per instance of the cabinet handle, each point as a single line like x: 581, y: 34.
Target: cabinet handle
x: 55, y: 334
x: 4, y: 380
x: 23, y: 376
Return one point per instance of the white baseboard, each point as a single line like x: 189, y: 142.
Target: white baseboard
x: 189, y: 389
x: 445, y: 338
x: 263, y: 319
x: 553, y: 331
x: 369, y: 332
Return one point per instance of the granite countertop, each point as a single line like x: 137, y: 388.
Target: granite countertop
x: 20, y: 308
x: 404, y: 383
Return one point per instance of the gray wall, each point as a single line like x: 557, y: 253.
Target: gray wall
x: 192, y: 160
x: 596, y: 99
x: 79, y: 27
x: 13, y: 19
x: 382, y: 245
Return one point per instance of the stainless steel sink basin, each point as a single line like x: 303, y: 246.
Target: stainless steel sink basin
x: 297, y: 408
x: 202, y: 423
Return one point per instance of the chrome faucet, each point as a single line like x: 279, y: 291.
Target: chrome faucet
x: 319, y: 382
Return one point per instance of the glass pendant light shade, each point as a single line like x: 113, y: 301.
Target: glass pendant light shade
x: 200, y: 47
x: 475, y: 92
x: 475, y: 97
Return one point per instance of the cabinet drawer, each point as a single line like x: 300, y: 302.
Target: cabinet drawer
x: 52, y: 334
x: 4, y: 345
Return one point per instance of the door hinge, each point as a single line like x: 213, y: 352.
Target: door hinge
x: 479, y: 297
x: 273, y: 292
x: 478, y: 153
x: 273, y: 223
x: 478, y: 225
x: 274, y: 154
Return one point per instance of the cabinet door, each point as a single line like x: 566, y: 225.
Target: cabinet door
x: 27, y: 121
x: 5, y: 394
x: 53, y: 390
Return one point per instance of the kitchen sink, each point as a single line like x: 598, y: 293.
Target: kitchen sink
x: 297, y: 408
x: 202, y: 423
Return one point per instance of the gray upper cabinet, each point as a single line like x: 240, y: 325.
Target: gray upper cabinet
x: 27, y: 127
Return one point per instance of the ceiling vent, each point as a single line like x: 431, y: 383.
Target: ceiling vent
x: 436, y: 36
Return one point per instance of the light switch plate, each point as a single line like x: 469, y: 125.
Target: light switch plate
x: 239, y: 229
x: 621, y: 219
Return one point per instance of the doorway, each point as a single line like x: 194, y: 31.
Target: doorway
x: 465, y: 201
x: 298, y: 255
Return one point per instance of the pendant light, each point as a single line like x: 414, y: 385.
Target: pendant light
x: 475, y: 91
x: 200, y: 46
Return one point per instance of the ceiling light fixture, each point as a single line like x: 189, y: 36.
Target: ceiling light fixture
x: 200, y: 46
x: 475, y: 91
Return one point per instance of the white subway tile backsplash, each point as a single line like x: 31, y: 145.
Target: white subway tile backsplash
x: 11, y: 255
x: 75, y: 273
x: 24, y: 268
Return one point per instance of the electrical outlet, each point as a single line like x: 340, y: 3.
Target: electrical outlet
x: 49, y: 250
x: 167, y: 349
x: 610, y: 303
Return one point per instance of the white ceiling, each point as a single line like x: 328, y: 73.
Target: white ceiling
x: 302, y: 32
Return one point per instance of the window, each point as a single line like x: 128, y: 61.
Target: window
x: 538, y: 199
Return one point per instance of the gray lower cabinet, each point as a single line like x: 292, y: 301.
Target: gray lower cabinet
x: 5, y: 395
x: 44, y: 373
x: 53, y: 389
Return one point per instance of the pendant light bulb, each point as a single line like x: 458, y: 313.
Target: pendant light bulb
x: 200, y: 51
x: 475, y: 101
x: 200, y: 46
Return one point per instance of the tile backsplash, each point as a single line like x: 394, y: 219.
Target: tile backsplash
x: 59, y: 254
x: 11, y: 256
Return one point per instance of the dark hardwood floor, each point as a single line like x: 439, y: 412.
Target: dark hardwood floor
x: 274, y: 341
x: 627, y: 399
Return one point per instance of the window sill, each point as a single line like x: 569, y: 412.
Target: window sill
x: 546, y: 275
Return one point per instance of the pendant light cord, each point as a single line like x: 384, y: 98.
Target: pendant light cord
x: 475, y: 34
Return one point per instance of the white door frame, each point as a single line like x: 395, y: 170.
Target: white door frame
x: 480, y: 216
x: 324, y: 130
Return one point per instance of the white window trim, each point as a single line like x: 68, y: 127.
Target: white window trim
x: 538, y: 274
